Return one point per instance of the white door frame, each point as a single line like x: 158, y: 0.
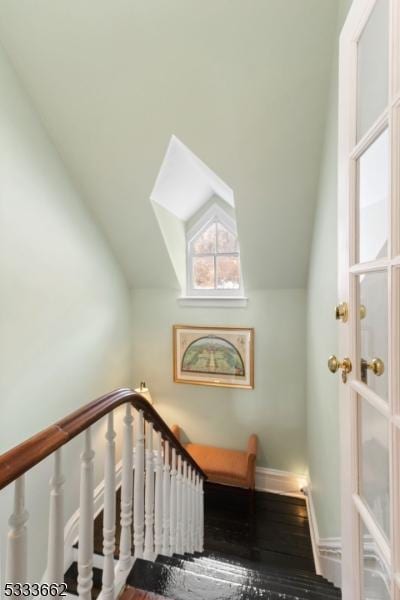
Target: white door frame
x: 348, y: 152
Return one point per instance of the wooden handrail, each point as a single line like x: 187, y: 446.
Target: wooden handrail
x: 23, y: 457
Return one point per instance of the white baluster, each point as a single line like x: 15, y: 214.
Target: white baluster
x: 158, y: 514
x: 197, y: 500
x: 189, y: 511
x: 166, y: 501
x: 55, y: 547
x: 195, y: 513
x: 109, y: 512
x: 125, y: 547
x: 179, y: 548
x: 184, y: 509
x: 138, y: 499
x: 86, y: 508
x: 193, y: 500
x: 149, y: 496
x: 16, y: 566
x: 172, y: 512
x: 201, y: 515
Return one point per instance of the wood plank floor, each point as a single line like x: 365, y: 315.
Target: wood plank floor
x: 265, y: 527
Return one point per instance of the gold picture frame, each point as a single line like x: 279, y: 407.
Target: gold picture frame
x: 213, y: 356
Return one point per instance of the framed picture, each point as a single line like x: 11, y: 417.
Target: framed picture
x: 217, y: 356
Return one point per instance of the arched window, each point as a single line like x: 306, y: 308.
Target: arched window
x: 214, y: 256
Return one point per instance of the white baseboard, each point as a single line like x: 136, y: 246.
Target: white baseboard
x: 330, y: 558
x: 279, y: 482
x: 327, y: 551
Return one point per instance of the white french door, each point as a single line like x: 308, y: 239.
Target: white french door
x: 369, y: 296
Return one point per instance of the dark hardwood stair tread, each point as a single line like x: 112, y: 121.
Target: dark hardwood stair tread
x: 272, y: 583
x: 256, y: 574
x: 278, y: 559
x: 257, y: 565
x: 181, y: 585
x: 287, y: 544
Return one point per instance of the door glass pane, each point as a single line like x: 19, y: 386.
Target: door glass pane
x: 376, y: 577
x: 203, y: 272
x: 374, y: 463
x: 372, y: 66
x: 373, y: 327
x: 373, y: 192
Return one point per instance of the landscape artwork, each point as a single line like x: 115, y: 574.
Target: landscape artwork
x: 216, y: 356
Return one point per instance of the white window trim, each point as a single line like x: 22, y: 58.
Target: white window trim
x: 214, y: 213
x: 213, y: 301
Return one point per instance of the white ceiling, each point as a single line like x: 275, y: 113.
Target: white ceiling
x: 184, y: 183
x: 243, y: 84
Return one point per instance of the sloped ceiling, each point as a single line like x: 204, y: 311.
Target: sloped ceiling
x: 243, y: 84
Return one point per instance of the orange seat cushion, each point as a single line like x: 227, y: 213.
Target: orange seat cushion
x: 221, y: 465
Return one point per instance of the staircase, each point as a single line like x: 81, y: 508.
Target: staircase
x: 256, y: 547
x: 158, y: 536
x: 213, y: 577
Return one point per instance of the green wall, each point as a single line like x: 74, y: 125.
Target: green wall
x: 322, y: 332
x: 64, y: 308
x: 275, y: 409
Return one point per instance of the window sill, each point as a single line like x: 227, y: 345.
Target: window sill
x: 214, y: 301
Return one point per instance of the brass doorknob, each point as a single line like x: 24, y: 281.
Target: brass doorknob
x: 342, y: 312
x: 334, y: 364
x: 376, y: 365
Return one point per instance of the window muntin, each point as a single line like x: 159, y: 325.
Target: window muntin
x: 214, y: 260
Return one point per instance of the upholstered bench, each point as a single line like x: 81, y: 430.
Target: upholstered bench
x: 229, y: 467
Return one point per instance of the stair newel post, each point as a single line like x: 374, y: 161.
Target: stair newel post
x: 149, y: 496
x: 109, y: 511
x: 17, y: 549
x: 55, y: 547
x: 179, y: 548
x: 184, y: 508
x: 201, y: 546
x: 125, y: 547
x: 158, y: 513
x: 138, y: 495
x: 172, y: 512
x: 166, y: 501
x: 86, y: 510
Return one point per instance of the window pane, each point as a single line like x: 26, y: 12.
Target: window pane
x: 373, y: 63
x: 228, y: 272
x: 373, y: 323
x: 376, y: 574
x: 203, y: 272
x: 227, y: 241
x: 374, y: 467
x: 373, y: 192
x: 206, y: 242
